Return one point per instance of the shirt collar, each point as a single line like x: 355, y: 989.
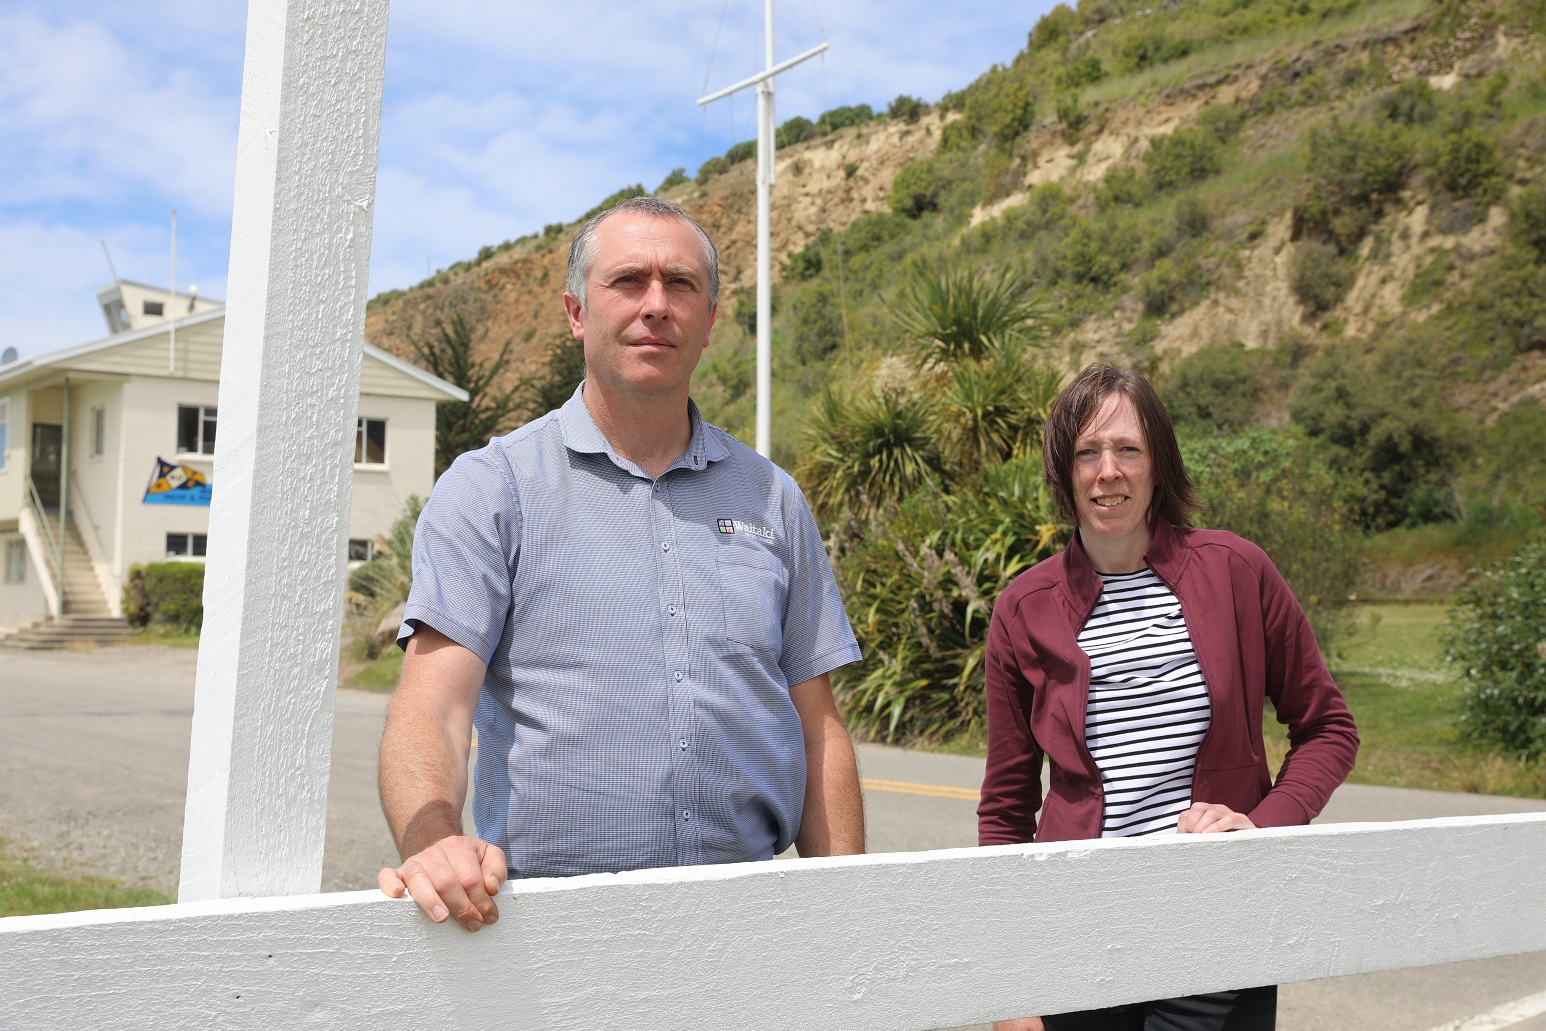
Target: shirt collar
x: 581, y: 434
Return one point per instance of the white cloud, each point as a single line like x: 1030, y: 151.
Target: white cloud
x: 498, y: 118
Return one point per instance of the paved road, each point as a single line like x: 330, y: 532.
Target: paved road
x: 93, y: 769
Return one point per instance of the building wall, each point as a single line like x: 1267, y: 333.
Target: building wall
x: 13, y: 480
x: 149, y: 421
x: 95, y: 487
x: 380, y: 493
x: 19, y: 602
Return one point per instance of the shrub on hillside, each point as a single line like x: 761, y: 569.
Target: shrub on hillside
x: 1508, y: 298
x: 165, y: 594
x: 1081, y: 71
x: 907, y: 108
x: 1095, y: 253
x: 1411, y: 103
x: 796, y: 130
x: 942, y: 182
x: 1185, y: 156
x: 1318, y: 275
x: 842, y: 117
x: 1174, y: 283
x: 1213, y: 389
x: 1352, y: 170
x: 1497, y: 635
x: 675, y: 177
x: 1276, y: 489
x: 1467, y: 164
x: 1122, y: 188
x: 712, y: 167
x: 1387, y: 425
x: 1146, y: 49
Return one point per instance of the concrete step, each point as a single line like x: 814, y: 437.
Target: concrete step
x: 87, y: 628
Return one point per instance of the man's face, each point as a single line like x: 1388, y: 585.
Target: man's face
x: 647, y: 316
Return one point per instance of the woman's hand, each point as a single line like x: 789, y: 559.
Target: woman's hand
x: 1210, y: 818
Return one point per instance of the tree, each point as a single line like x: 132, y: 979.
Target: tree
x: 488, y: 411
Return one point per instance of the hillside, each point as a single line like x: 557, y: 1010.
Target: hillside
x: 1324, y: 216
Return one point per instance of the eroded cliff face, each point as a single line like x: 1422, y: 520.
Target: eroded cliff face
x: 829, y: 182
x: 517, y: 295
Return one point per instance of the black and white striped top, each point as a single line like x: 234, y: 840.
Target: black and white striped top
x: 1148, y: 706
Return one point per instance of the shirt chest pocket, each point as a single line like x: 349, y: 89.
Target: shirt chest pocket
x: 753, y: 583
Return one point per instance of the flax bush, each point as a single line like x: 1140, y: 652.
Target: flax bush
x: 920, y: 588
x: 1497, y: 635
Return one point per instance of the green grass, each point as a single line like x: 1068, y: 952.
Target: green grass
x: 1216, y: 56
x: 26, y: 890
x: 172, y: 636
x: 1406, y: 700
x: 380, y: 674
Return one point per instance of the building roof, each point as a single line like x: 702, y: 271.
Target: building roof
x: 204, y: 331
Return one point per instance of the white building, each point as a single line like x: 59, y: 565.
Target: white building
x: 118, y: 434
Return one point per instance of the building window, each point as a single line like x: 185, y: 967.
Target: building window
x: 16, y: 561
x: 370, y: 442
x: 154, y: 308
x: 5, y: 432
x: 195, y: 430
x: 98, y: 430
x: 360, y: 550
x: 186, y: 545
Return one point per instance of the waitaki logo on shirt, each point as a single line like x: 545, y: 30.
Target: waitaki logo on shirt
x: 737, y: 526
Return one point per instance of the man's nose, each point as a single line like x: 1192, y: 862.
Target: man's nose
x: 654, y: 303
x: 1109, y: 468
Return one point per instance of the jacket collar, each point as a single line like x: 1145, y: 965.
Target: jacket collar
x: 1167, y: 556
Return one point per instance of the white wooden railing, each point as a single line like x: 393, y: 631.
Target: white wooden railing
x: 885, y: 942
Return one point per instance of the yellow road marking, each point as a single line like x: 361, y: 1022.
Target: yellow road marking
x: 902, y: 787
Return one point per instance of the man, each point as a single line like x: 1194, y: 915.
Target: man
x: 634, y: 609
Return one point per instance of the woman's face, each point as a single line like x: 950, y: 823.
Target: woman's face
x: 1113, y: 475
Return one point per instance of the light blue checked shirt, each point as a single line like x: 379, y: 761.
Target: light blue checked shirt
x: 641, y: 638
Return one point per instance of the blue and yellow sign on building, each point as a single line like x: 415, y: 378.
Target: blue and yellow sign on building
x: 177, y: 485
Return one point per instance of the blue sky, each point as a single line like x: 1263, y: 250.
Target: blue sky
x: 498, y: 118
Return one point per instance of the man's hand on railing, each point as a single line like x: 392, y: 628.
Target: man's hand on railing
x: 455, y: 877
x: 1210, y: 817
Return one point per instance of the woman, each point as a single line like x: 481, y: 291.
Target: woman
x: 1168, y: 640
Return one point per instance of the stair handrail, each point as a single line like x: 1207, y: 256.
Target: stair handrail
x: 53, y: 546
x: 91, y: 536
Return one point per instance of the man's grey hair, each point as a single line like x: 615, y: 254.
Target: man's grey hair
x: 582, y: 253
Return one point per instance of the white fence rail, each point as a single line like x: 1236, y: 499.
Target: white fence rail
x: 920, y: 940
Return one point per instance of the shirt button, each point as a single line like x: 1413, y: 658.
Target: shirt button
x: 665, y: 545
x: 671, y: 610
x: 677, y: 676
x: 686, y: 814
x: 683, y: 742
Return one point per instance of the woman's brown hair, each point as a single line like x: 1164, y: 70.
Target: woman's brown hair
x: 1175, y: 495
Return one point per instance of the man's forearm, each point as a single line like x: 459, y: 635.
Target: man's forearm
x: 423, y: 781
x: 833, y: 823
x: 427, y: 740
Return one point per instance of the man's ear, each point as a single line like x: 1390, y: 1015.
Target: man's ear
x: 576, y: 316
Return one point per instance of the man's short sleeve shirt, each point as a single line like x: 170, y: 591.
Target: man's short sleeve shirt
x: 641, y: 638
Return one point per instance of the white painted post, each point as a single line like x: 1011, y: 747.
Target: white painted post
x: 289, y: 398
x: 868, y: 943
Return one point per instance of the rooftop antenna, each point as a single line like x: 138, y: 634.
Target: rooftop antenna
x: 109, y: 255
x: 763, y: 80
